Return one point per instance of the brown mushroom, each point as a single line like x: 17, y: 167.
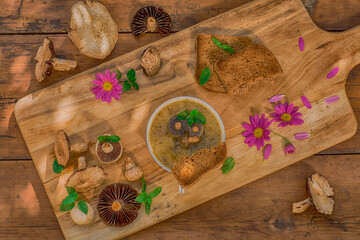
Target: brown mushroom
x: 81, y: 218
x: 63, y: 149
x: 177, y: 128
x: 151, y: 61
x: 132, y: 171
x: 46, y: 61
x: 195, y: 133
x: 108, y: 152
x: 86, y: 179
x: 320, y: 191
x: 117, y: 206
x: 150, y: 18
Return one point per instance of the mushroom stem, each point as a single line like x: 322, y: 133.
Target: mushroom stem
x: 60, y: 64
x: 300, y: 207
x: 79, y: 147
x: 81, y: 162
x: 107, y: 147
x: 151, y: 24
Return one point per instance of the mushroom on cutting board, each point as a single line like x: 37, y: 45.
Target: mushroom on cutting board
x: 320, y: 191
x: 151, y: 61
x: 46, y: 61
x: 81, y: 218
x: 63, y: 149
x: 86, y: 179
x: 132, y: 171
x: 108, y: 152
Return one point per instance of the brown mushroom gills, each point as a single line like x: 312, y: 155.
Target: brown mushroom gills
x: 108, y: 152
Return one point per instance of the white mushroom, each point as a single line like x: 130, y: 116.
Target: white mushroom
x: 81, y: 218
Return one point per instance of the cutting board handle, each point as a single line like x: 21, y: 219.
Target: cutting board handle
x: 352, y: 44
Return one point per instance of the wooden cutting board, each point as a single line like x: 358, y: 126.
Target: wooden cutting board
x: 70, y: 105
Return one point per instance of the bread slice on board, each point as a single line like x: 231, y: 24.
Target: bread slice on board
x: 208, y: 54
x: 92, y: 29
x: 189, y: 169
x: 254, y: 64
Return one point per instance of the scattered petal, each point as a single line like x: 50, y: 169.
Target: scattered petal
x: 301, y: 44
x: 267, y: 151
x: 332, y: 73
x: 302, y: 136
x: 331, y: 99
x: 305, y: 101
x: 276, y: 98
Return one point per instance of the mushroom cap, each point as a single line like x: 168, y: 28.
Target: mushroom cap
x: 115, y: 153
x: 81, y: 218
x: 44, y: 55
x: 151, y: 61
x: 62, y: 148
x: 321, y: 191
x: 92, y: 29
x: 196, y: 130
x: 172, y: 127
x: 87, y: 179
x: 132, y: 172
x: 139, y: 23
x: 117, y: 206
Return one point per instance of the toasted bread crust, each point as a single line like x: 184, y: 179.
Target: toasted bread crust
x: 188, y: 170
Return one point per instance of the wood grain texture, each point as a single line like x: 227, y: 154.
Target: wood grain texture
x: 278, y: 26
x: 259, y: 210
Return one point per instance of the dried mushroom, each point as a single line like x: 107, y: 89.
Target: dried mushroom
x: 320, y: 191
x: 151, y: 61
x: 80, y: 218
x: 132, y: 171
x: 63, y: 149
x: 150, y: 19
x: 47, y: 62
x: 117, y: 206
x: 86, y: 179
x: 108, y: 152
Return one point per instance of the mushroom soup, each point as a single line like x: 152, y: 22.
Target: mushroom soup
x: 169, y: 147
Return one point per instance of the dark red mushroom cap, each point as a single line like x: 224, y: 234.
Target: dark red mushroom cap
x: 117, y: 206
x: 149, y: 19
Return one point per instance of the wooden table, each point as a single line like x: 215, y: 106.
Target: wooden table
x: 258, y: 210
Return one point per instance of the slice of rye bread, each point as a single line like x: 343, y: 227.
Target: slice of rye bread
x: 207, y: 54
x: 254, y: 64
x: 189, y: 169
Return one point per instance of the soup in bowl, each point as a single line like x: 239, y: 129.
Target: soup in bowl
x: 181, y: 126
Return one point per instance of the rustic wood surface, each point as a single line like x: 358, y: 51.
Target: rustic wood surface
x: 211, y: 219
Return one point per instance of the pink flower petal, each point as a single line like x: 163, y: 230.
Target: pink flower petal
x: 331, y: 99
x: 302, y: 136
x: 247, y: 126
x: 267, y: 151
x: 276, y: 98
x: 305, y: 101
x: 332, y: 73
x: 301, y: 44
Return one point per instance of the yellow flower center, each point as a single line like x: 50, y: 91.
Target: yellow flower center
x: 286, y: 117
x: 258, y: 132
x: 107, y: 86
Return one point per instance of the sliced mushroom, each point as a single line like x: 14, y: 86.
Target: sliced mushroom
x: 320, y: 191
x: 86, y: 179
x: 151, y: 61
x: 177, y: 128
x: 132, y: 171
x: 46, y: 61
x: 63, y: 149
x: 108, y: 152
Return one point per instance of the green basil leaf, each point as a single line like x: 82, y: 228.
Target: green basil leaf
x: 135, y: 85
x: 114, y: 138
x: 227, y: 48
x: 143, y: 184
x: 190, y: 121
x: 183, y: 115
x: 57, y: 168
x: 103, y: 138
x: 205, y: 76
x: 131, y: 75
x: 149, y: 200
x: 126, y: 86
x: 118, y: 74
x: 155, y: 192
x: 194, y: 114
x: 70, y: 190
x: 83, y: 206
x: 216, y: 41
x: 228, y: 165
x: 66, y: 207
x: 141, y: 198
x: 201, y: 118
x: 70, y: 198
x: 147, y: 208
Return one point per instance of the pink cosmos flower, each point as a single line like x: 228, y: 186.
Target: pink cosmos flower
x: 257, y: 132
x: 287, y: 115
x: 289, y: 148
x: 305, y: 101
x: 267, y: 151
x: 106, y: 87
